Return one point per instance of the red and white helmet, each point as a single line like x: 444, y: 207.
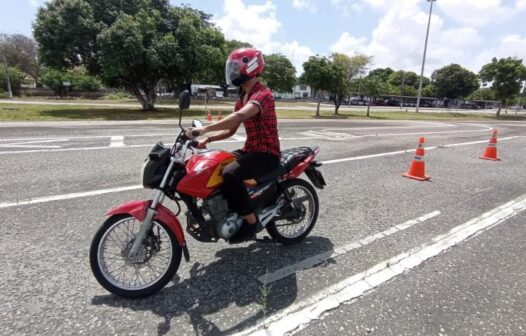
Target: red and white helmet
x: 243, y: 64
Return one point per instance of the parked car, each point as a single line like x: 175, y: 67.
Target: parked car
x: 392, y: 103
x: 469, y: 106
x: 426, y: 104
x: 355, y: 101
x: 379, y: 102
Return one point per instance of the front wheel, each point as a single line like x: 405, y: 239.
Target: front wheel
x: 154, y: 264
x: 298, y: 214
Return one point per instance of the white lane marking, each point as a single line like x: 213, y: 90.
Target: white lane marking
x: 67, y: 196
x: 117, y: 141
x: 354, y: 158
x: 238, y: 137
x: 420, y: 133
x: 33, y: 139
x: 125, y: 146
x: 92, y: 137
x: 71, y: 149
x: 317, y: 259
x: 32, y: 144
x: 299, y: 315
x: 328, y: 135
x: 416, y: 125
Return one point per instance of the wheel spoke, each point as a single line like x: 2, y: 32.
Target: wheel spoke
x: 144, y: 269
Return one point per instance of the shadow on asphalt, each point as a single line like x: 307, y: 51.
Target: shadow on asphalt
x: 232, y: 279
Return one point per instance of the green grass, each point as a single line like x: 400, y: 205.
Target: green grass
x: 22, y: 112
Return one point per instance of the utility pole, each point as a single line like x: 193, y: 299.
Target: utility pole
x: 7, y: 78
x: 424, y: 57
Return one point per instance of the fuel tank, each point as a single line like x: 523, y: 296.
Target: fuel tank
x: 203, y: 173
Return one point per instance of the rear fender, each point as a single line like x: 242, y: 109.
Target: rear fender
x: 138, y: 210
x: 301, y: 167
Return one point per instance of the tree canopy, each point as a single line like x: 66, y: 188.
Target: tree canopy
x: 131, y: 44
x: 454, y: 81
x: 77, y: 78
x: 507, y: 75
x: 335, y: 74
x: 21, y: 51
x: 15, y: 79
x: 279, y: 74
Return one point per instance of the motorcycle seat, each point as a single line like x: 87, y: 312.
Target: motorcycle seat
x: 290, y: 158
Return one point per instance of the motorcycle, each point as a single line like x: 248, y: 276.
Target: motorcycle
x: 139, y: 247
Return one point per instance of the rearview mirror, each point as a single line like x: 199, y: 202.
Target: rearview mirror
x: 184, y: 100
x: 197, y: 123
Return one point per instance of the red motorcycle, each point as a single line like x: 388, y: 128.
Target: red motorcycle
x: 138, y: 249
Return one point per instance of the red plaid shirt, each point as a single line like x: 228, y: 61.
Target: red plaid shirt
x: 261, y: 129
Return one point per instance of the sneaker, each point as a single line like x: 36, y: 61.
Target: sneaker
x: 246, y: 232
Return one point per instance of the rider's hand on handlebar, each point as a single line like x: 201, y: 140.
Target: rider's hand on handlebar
x: 201, y: 143
x: 194, y: 132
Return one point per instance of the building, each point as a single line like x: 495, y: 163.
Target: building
x: 300, y: 91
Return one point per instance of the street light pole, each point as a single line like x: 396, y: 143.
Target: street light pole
x: 424, y: 57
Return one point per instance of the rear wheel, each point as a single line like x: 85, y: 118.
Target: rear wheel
x: 298, y: 214
x: 154, y: 264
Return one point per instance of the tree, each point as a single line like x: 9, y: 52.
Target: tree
x: 318, y: 73
x: 345, y: 70
x: 373, y: 86
x: 15, y: 78
x: 507, y: 75
x: 77, y: 78
x: 131, y: 44
x: 454, y: 81
x: 483, y: 94
x: 382, y: 74
x: 21, y: 51
x: 279, y: 74
x: 334, y: 75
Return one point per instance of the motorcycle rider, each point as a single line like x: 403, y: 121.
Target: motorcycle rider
x: 261, y: 152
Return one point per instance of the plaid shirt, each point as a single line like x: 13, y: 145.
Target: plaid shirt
x: 261, y: 129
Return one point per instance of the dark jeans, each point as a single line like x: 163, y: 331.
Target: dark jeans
x: 248, y: 166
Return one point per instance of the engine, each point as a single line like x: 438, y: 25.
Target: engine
x: 226, y: 222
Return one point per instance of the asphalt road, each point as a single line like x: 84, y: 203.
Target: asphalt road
x: 473, y: 287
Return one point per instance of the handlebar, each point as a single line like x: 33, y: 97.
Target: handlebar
x: 196, y: 133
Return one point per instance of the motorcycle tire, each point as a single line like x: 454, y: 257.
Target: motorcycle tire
x: 132, y: 293
x: 273, y: 229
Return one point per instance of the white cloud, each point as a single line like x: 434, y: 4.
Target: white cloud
x: 309, y: 5
x: 479, y: 13
x: 297, y: 54
x: 257, y: 25
x: 347, y: 7
x: 34, y: 3
x: 254, y: 24
x: 398, y: 39
x: 509, y: 46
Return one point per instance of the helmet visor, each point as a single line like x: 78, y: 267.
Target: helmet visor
x: 232, y: 71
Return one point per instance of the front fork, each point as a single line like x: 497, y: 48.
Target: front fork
x: 147, y: 223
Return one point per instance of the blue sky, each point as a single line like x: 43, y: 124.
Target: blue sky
x: 467, y: 32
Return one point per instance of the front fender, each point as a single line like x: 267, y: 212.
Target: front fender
x: 138, y: 210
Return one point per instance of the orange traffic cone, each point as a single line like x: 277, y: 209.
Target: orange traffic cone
x: 209, y: 116
x: 491, y: 150
x: 417, y: 167
x: 219, y: 116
